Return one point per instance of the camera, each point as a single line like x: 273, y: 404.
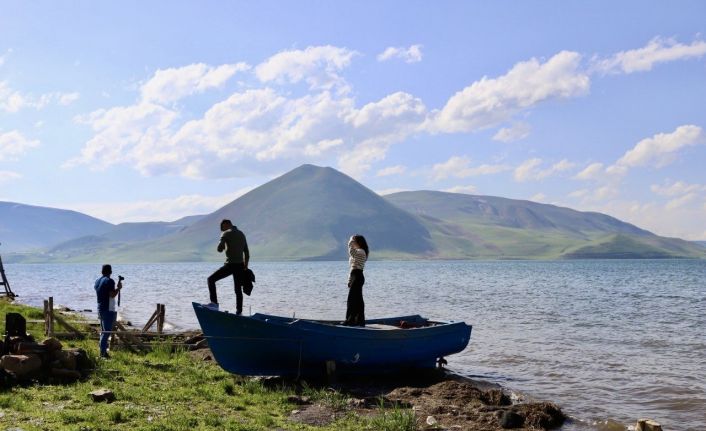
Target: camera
x: 121, y: 278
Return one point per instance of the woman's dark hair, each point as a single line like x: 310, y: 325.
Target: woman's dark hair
x: 360, y: 240
x: 106, y: 270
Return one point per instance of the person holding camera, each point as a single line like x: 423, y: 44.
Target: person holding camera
x: 106, y: 291
x: 235, y: 244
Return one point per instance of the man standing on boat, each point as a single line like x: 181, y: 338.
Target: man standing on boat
x: 235, y: 244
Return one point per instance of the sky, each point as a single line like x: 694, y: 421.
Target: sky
x: 145, y: 111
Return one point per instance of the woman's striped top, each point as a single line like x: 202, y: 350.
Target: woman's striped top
x: 358, y: 257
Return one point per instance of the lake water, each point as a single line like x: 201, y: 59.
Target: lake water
x: 610, y: 341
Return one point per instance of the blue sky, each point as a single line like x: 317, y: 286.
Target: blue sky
x: 136, y: 111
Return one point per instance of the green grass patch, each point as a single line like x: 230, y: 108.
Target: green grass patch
x: 160, y: 390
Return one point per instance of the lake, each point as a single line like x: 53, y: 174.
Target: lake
x: 609, y: 341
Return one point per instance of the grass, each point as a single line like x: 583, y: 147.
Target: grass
x: 165, y: 390
x: 394, y: 419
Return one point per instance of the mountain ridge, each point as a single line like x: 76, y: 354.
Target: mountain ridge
x: 309, y: 213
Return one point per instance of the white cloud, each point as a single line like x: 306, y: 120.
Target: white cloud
x: 12, y: 100
x: 392, y: 170
x: 658, y: 50
x: 169, y: 85
x: 469, y: 190
x: 578, y: 194
x: 539, y: 197
x: 460, y: 167
x: 168, y: 209
x: 319, y: 66
x: 257, y: 125
x: 593, y: 171
x: 688, y: 222
x: 516, y: 132
x: 66, y: 99
x: 7, y: 176
x: 489, y: 102
x: 131, y: 134
x: 13, y: 144
x: 681, y: 201
x: 660, y: 150
x: 322, y: 147
x: 384, y: 192
x: 3, y: 57
x: 413, y: 54
x: 529, y: 170
x: 677, y: 188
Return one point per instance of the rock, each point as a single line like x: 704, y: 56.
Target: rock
x: 83, y: 362
x: 195, y: 339
x: 21, y: 365
x: 103, y: 395
x: 495, y: 397
x: 357, y: 402
x: 542, y: 415
x: 25, y: 348
x: 431, y: 421
x: 65, y: 358
x: 509, y: 419
x: 299, y: 400
x: 65, y: 374
x: 52, y: 344
x: 647, y: 425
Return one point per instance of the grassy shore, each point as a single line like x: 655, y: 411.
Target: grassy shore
x: 166, y: 390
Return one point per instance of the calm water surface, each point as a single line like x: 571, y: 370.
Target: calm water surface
x: 610, y: 341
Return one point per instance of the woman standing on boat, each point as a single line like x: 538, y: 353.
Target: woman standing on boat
x: 358, y: 251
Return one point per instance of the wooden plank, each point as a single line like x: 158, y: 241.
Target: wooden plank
x: 124, y: 333
x: 151, y: 320
x: 67, y: 325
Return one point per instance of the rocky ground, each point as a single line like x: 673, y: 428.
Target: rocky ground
x: 439, y: 400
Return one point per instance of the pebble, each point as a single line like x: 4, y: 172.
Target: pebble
x: 431, y: 420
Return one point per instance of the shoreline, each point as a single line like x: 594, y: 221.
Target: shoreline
x: 435, y: 400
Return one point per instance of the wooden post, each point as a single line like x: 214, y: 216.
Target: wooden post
x: 50, y: 311
x: 3, y: 282
x: 46, y: 317
x: 160, y: 320
x: 647, y: 425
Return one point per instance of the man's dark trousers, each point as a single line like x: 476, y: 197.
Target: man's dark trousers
x: 234, y: 269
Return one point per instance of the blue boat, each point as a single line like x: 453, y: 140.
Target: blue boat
x: 265, y: 345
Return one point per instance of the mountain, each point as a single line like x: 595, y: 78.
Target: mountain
x: 700, y: 243
x: 307, y: 213
x: 466, y: 226
x: 27, y: 227
x: 124, y: 236
x: 310, y: 212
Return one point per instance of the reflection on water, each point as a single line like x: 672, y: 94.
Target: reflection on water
x: 610, y: 341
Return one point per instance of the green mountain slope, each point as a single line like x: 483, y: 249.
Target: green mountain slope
x: 28, y: 227
x: 120, y: 239
x: 308, y: 213
x: 466, y: 226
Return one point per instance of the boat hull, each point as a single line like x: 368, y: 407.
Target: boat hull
x: 277, y: 346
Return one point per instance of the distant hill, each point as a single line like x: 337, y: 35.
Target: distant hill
x: 467, y: 226
x: 700, y: 243
x: 124, y: 236
x: 307, y: 213
x: 310, y: 212
x: 28, y: 227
